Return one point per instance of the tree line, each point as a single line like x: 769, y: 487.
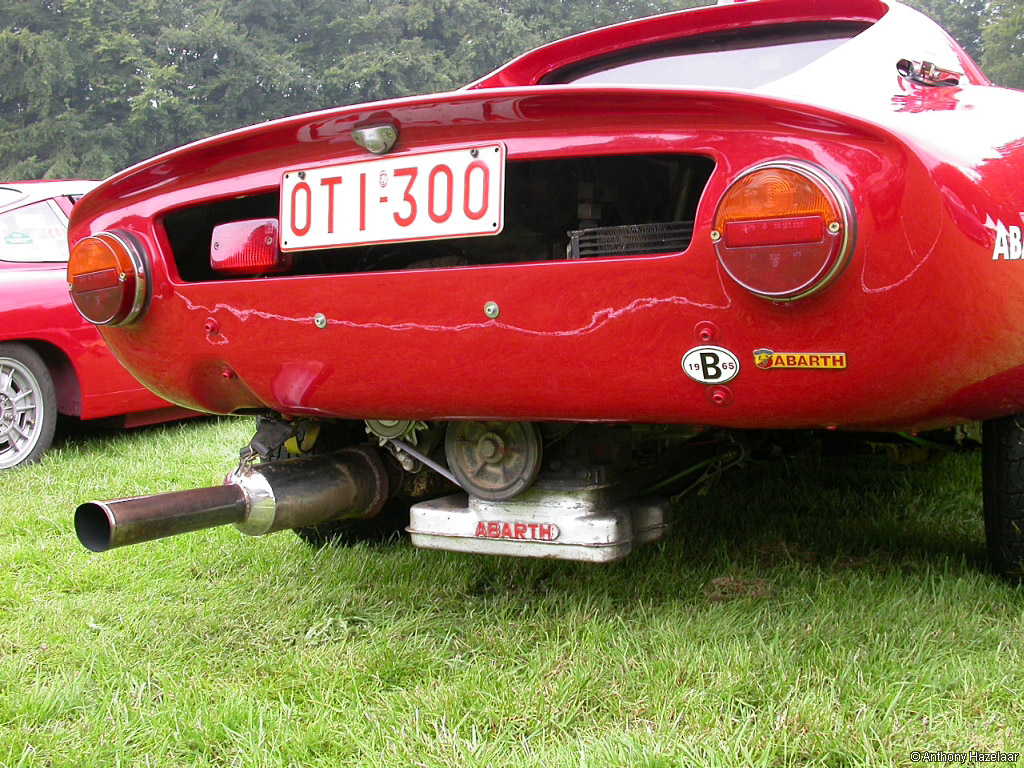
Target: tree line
x: 90, y: 86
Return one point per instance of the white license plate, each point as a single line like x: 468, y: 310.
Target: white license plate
x: 423, y: 196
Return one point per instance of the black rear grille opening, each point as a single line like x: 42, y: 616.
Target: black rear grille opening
x: 588, y: 207
x: 630, y: 240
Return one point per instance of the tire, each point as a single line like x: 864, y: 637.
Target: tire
x: 1002, y: 472
x: 387, y: 525
x: 28, y: 406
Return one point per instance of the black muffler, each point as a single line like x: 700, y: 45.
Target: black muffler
x: 258, y: 499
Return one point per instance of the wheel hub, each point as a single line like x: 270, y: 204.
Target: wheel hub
x: 6, y: 413
x: 19, y: 404
x: 491, y: 448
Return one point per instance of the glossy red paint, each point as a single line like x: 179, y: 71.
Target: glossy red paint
x: 36, y: 310
x: 927, y: 320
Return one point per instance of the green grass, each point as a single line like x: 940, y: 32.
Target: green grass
x: 811, y: 612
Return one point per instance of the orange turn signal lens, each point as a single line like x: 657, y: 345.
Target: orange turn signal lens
x: 108, y: 279
x: 774, y: 192
x: 783, y: 230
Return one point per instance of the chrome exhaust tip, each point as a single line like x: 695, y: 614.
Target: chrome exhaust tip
x: 351, y: 483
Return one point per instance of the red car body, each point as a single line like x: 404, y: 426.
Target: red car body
x: 38, y: 314
x: 929, y: 177
x: 915, y: 326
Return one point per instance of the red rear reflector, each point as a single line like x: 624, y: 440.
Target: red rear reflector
x: 248, y: 248
x: 791, y: 231
x: 95, y: 281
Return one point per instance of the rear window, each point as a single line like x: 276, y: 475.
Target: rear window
x: 740, y: 60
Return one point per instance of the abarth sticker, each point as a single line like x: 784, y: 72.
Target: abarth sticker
x: 823, y: 361
x: 710, y: 365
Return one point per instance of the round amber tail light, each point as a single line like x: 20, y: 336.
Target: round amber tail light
x: 784, y: 230
x: 108, y: 279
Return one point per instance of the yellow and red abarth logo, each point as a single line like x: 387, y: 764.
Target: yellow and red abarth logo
x: 824, y: 361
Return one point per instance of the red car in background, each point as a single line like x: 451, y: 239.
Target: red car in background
x: 591, y: 280
x: 51, y: 360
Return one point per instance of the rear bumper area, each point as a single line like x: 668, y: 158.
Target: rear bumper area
x: 531, y: 325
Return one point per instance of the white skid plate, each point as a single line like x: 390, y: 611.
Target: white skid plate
x: 586, y: 525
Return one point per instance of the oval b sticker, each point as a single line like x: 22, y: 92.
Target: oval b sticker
x: 710, y: 365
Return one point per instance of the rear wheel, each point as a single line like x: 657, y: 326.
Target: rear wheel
x: 28, y: 406
x: 1003, y: 493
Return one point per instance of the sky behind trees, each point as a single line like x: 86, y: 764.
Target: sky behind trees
x: 90, y: 86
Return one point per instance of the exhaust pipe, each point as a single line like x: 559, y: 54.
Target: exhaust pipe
x: 351, y: 483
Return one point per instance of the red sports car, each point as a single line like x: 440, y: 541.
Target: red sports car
x: 534, y: 308
x: 51, y: 360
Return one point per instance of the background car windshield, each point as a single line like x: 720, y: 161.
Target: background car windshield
x: 725, y: 63
x: 33, y: 233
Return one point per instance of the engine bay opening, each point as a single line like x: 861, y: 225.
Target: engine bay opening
x: 571, y: 208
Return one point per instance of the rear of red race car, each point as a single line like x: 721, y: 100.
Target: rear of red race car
x: 600, y: 275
